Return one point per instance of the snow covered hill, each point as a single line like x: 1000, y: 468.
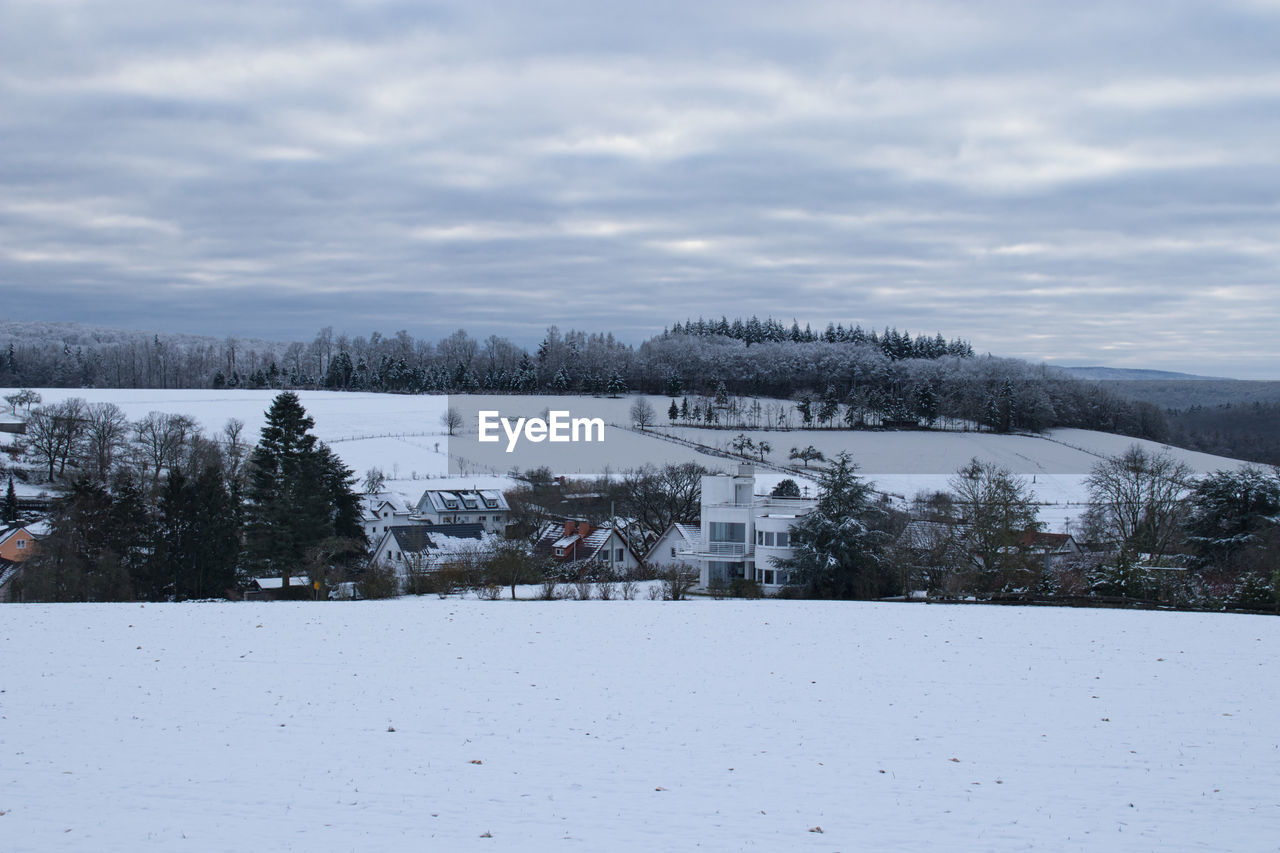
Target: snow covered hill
x: 427, y: 724
x: 403, y: 436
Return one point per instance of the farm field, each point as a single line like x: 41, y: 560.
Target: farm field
x: 429, y: 724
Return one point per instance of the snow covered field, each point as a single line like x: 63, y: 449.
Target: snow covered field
x: 403, y: 436
x: 427, y: 724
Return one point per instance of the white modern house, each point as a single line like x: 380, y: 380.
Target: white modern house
x: 743, y: 534
x: 487, y: 507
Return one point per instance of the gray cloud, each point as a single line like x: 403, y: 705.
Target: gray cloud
x: 1080, y: 183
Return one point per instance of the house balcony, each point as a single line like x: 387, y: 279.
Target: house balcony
x: 713, y: 550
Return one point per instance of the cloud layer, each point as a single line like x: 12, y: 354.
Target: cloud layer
x: 1085, y: 183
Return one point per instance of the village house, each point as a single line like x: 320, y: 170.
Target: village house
x: 21, y: 543
x: 669, y: 549
x: 579, y: 547
x: 381, y: 511
x: 486, y: 507
x: 422, y: 545
x: 743, y: 536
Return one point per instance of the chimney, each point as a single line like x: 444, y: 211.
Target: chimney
x: 569, y: 528
x: 584, y: 529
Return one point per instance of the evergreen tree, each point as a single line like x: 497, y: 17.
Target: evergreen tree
x: 299, y: 493
x: 673, y: 414
x: 838, y: 547
x: 9, y: 513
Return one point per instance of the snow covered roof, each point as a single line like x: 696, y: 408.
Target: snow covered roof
x: 448, y: 500
x: 930, y: 534
x: 8, y: 570
x: 36, y: 530
x: 687, y: 537
x: 577, y: 541
x: 278, y: 583
x: 372, y: 506
x: 417, y: 538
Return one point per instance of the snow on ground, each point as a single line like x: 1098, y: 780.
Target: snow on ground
x: 635, y: 726
x: 402, y: 435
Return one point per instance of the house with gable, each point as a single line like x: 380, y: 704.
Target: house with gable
x: 579, y: 547
x: 486, y: 507
x: 429, y: 547
x: 381, y: 511
x: 671, y: 547
x: 21, y: 543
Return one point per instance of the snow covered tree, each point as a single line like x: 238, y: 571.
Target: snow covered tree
x: 786, y: 488
x: 839, y: 546
x: 1231, y: 517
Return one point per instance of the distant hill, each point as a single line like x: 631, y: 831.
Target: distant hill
x: 1124, y: 374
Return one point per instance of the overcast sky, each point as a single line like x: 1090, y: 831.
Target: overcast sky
x: 1084, y: 183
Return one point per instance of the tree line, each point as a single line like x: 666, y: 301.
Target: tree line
x: 1154, y: 533
x: 889, y: 380
x: 156, y: 511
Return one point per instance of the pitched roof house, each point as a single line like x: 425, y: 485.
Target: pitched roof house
x: 381, y: 511
x: 487, y: 507
x: 20, y: 543
x: 578, y: 546
x: 425, y: 545
x: 674, y: 545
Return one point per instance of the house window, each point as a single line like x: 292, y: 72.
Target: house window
x: 22, y: 544
x: 559, y: 552
x: 618, y: 558
x: 728, y: 531
x: 784, y: 539
x: 482, y: 518
x: 673, y: 552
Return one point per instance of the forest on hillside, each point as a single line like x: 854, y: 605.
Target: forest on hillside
x: 892, y: 378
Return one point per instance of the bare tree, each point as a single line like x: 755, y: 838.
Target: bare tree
x: 234, y: 447
x: 806, y: 455
x: 451, y: 420
x: 54, y: 433
x: 1137, y: 498
x: 677, y: 580
x: 374, y: 480
x: 656, y: 497
x: 106, y: 434
x: 25, y: 397
x: 642, y: 415
x: 160, y: 438
x: 999, y: 510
